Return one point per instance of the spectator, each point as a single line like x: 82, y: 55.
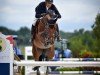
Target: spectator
x: 17, y: 50
x: 55, y: 58
x: 67, y: 53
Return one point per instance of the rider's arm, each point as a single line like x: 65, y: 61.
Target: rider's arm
x: 39, y: 10
x: 38, y: 13
x: 56, y: 11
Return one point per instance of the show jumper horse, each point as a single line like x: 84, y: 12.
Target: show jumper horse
x: 43, y: 43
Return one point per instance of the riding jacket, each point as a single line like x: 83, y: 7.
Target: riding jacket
x: 41, y: 8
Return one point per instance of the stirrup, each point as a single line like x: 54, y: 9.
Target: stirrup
x: 58, y: 38
x: 36, y: 68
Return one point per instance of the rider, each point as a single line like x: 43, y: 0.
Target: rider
x: 43, y: 8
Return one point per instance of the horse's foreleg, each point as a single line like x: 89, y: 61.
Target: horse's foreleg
x: 38, y: 72
x: 47, y: 70
x: 41, y: 58
x: 37, y: 67
x: 36, y: 57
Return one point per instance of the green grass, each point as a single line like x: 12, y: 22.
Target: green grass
x: 68, y: 69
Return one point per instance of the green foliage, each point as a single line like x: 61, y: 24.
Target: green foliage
x: 96, y: 31
x: 86, y: 54
x: 96, y: 54
x: 96, y: 28
x: 24, y: 35
x: 7, y: 31
x: 68, y: 69
x: 76, y: 45
x: 81, y: 40
x: 65, y: 35
x: 79, y: 69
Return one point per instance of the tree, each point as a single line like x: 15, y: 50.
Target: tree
x: 81, y: 31
x: 24, y: 34
x: 96, y: 30
x: 7, y: 31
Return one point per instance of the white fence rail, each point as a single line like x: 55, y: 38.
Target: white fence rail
x: 58, y: 63
x: 79, y: 59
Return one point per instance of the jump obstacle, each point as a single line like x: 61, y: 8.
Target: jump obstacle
x: 7, y: 60
x: 28, y: 69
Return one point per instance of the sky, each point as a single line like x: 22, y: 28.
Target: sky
x: 76, y: 14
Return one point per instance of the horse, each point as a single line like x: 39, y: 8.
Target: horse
x: 43, y: 43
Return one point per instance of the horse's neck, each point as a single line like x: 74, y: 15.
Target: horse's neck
x: 44, y: 20
x: 44, y: 34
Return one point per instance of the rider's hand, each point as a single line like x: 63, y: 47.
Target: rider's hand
x: 43, y: 14
x: 55, y: 17
x: 48, y: 16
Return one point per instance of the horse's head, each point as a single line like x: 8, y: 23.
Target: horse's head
x: 50, y: 17
x: 46, y: 29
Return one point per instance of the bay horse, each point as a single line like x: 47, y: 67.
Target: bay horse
x: 43, y: 43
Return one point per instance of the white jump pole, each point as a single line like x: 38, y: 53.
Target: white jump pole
x: 58, y: 63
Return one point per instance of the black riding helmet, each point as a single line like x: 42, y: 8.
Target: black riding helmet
x: 50, y: 1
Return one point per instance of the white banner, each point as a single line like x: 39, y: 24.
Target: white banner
x: 5, y: 51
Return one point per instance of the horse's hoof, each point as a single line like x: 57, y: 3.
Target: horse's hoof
x: 46, y: 73
x: 35, y: 68
x: 38, y: 72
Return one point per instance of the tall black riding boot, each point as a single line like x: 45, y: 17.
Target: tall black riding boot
x: 57, y: 33
x: 32, y: 33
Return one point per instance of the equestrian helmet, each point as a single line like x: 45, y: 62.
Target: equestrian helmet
x: 50, y: 1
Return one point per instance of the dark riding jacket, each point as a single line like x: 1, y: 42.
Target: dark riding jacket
x: 41, y: 8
